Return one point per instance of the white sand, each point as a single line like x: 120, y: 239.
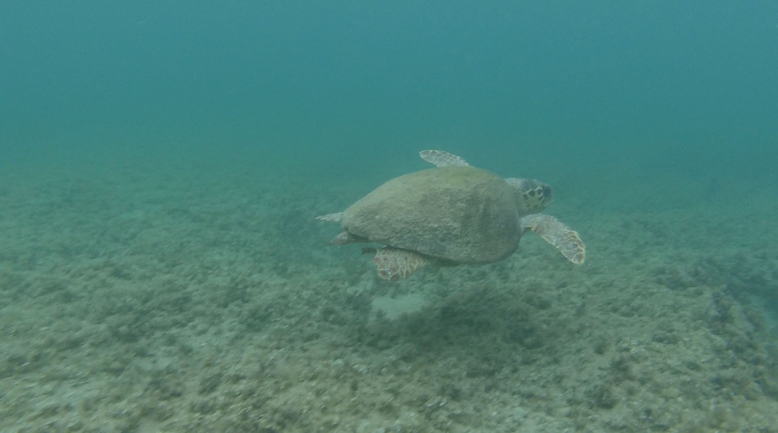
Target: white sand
x: 178, y: 299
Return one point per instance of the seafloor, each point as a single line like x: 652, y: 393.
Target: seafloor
x: 181, y: 297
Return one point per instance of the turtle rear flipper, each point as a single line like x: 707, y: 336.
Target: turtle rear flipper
x: 331, y: 217
x: 395, y: 264
x: 345, y: 237
x: 565, y: 239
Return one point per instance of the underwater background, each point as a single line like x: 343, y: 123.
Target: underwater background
x: 161, y: 166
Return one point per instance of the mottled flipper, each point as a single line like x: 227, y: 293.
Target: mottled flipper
x: 395, y: 264
x: 442, y: 159
x: 565, y: 239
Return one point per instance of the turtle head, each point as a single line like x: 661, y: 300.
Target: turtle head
x: 532, y: 196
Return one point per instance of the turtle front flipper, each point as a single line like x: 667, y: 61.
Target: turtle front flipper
x: 565, y: 239
x: 395, y: 264
x: 442, y: 159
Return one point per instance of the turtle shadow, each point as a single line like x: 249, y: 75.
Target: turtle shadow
x: 486, y: 328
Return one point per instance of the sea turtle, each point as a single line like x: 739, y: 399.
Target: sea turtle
x: 452, y: 214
